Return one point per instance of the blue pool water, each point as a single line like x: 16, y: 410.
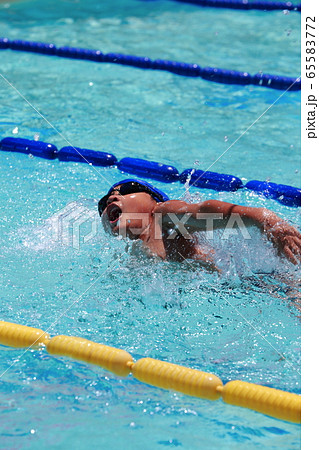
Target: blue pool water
x: 244, y: 325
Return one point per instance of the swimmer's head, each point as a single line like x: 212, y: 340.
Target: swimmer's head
x: 127, y: 207
x: 131, y: 186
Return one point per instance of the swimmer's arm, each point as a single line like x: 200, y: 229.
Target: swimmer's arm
x: 208, y: 215
x: 214, y: 214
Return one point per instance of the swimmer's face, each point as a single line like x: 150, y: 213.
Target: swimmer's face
x: 128, y: 215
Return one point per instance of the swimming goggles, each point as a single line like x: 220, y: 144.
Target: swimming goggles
x: 132, y: 187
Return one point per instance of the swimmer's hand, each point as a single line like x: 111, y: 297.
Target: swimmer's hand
x: 285, y: 237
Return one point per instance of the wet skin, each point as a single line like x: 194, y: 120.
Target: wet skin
x: 154, y: 230
x: 139, y: 216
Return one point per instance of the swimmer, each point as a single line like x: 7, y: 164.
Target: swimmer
x: 136, y: 209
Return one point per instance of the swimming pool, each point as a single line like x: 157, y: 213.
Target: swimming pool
x: 163, y: 310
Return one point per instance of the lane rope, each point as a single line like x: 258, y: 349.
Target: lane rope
x: 272, y: 402
x: 287, y: 195
x: 245, y: 4
x: 214, y: 74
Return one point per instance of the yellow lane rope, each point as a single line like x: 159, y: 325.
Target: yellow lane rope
x: 273, y: 402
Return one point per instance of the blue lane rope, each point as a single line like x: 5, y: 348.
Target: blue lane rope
x: 245, y: 4
x: 180, y: 68
x: 287, y: 195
